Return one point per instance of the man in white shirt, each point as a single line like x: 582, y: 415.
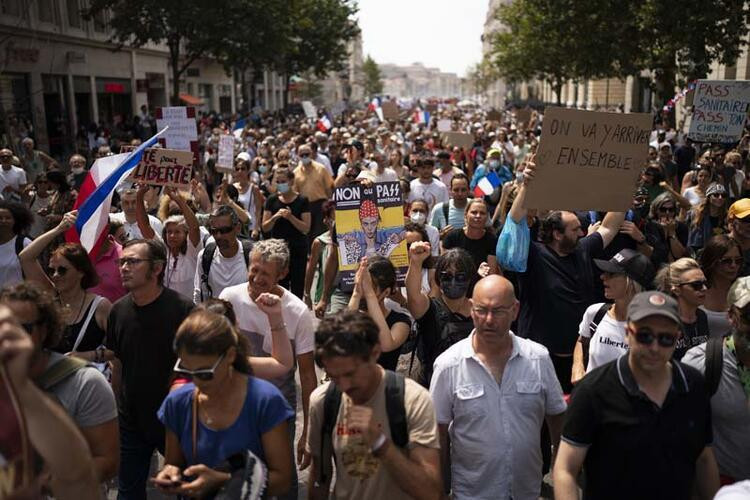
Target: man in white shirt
x: 228, y: 265
x: 456, y: 206
x: 129, y: 204
x: 269, y: 262
x: 320, y: 158
x: 492, y: 391
x: 426, y: 186
x: 12, y: 179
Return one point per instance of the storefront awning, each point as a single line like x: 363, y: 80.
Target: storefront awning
x: 191, y: 99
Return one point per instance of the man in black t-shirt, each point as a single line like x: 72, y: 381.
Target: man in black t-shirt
x: 140, y: 332
x: 641, y: 425
x: 558, y: 284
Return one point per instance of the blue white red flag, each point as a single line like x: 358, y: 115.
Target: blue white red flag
x: 239, y: 126
x: 324, y: 124
x: 95, y: 196
x: 421, y: 117
x: 487, y: 185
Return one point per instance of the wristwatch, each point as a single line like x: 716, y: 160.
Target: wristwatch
x: 379, y: 444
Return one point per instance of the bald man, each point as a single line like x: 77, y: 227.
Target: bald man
x: 492, y: 391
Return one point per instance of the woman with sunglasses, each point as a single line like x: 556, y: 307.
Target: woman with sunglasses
x: 249, y: 196
x: 71, y: 273
x: 709, y: 218
x: 684, y: 280
x: 670, y: 235
x: 224, y: 412
x: 601, y: 334
x: 721, y: 262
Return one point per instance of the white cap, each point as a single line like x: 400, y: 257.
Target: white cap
x: 244, y: 156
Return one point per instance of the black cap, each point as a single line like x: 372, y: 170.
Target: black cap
x: 652, y: 303
x: 354, y: 143
x: 633, y: 264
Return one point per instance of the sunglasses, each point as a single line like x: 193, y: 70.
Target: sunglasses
x: 240, y: 169
x: 728, y: 261
x: 60, y: 271
x: 646, y: 337
x: 304, y: 156
x: 204, y: 374
x: 697, y: 285
x: 453, y: 277
x: 129, y: 261
x: 220, y: 230
x: 667, y: 210
x: 718, y: 195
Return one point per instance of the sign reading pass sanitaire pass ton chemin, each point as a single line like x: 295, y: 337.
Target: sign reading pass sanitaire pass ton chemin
x: 588, y: 160
x: 719, y: 110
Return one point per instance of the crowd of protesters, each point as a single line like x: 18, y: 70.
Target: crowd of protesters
x: 614, y: 344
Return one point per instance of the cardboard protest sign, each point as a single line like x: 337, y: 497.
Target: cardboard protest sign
x: 390, y: 110
x: 444, y: 125
x: 182, y: 133
x: 164, y: 167
x: 431, y: 108
x: 309, y: 109
x: 370, y: 221
x: 225, y: 158
x: 458, y: 139
x: 720, y: 109
x: 494, y: 116
x: 588, y: 160
x: 523, y: 115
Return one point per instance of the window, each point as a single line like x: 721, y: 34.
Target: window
x: 74, y: 13
x: 47, y: 11
x: 100, y: 22
x: 11, y: 7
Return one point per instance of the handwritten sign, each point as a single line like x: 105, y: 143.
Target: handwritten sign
x: 720, y: 109
x: 444, y: 125
x: 588, y: 160
x: 390, y: 110
x: 182, y: 127
x: 458, y: 139
x: 164, y: 167
x: 494, y: 116
x: 225, y: 158
x: 309, y: 109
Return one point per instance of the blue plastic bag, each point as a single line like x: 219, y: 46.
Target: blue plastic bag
x: 512, y: 249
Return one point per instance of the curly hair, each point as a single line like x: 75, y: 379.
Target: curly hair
x: 272, y: 249
x: 552, y: 222
x: 49, y: 314
x: 22, y: 216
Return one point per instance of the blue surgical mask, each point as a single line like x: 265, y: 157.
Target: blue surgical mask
x: 282, y: 187
x: 262, y: 169
x: 494, y: 164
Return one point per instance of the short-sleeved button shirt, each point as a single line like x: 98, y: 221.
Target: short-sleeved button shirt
x: 495, y: 428
x: 635, y: 448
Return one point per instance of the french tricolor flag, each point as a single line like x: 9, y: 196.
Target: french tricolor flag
x: 421, y: 117
x: 375, y: 106
x: 95, y: 196
x: 324, y: 123
x: 239, y: 127
x: 487, y: 185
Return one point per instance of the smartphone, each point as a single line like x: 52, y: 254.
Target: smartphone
x: 166, y: 483
x: 430, y: 262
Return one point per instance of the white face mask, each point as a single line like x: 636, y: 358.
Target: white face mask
x: 77, y: 170
x: 418, y: 217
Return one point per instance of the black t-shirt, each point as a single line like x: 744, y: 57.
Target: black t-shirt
x: 283, y: 229
x: 142, y: 337
x: 479, y: 249
x: 389, y: 360
x: 555, y: 292
x: 437, y: 330
x: 693, y: 334
x: 635, y: 448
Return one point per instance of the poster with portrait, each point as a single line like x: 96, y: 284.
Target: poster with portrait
x: 370, y: 221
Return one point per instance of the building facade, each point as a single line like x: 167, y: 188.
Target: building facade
x: 418, y: 81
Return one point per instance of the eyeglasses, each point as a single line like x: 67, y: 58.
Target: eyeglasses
x: 6, y: 157
x: 728, y: 261
x: 646, y: 337
x: 204, y: 374
x: 444, y: 276
x: 220, y: 230
x: 669, y: 210
x: 696, y: 285
x: 304, y: 155
x: 497, y: 311
x: 61, y: 271
x: 130, y: 261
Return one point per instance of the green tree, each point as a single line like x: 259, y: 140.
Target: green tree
x: 191, y: 29
x: 373, y: 81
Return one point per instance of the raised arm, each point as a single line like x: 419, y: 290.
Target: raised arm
x: 416, y: 300
x: 282, y: 357
x: 610, y: 227
x: 390, y: 338
x: 29, y: 256
x: 517, y: 211
x: 312, y: 264
x: 194, y: 232
x: 140, y: 213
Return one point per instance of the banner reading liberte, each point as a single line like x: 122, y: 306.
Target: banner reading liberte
x: 588, y: 160
x: 720, y: 110
x: 164, y: 167
x: 370, y: 221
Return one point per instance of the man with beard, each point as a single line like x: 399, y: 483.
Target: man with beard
x: 558, y: 284
x: 140, y: 334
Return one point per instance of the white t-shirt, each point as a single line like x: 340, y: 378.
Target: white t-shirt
x: 325, y: 161
x: 180, y: 272
x: 10, y: 266
x: 132, y: 229
x: 608, y: 342
x: 14, y: 177
x: 224, y: 273
x: 433, y: 193
x: 253, y: 323
x: 691, y: 194
x: 434, y: 235
x: 39, y: 224
x: 388, y: 175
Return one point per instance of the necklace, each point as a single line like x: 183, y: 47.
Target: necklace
x: 80, y: 308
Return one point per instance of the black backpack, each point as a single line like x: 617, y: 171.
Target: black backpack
x: 594, y: 325
x: 714, y: 364
x: 394, y: 407
x: 208, y: 257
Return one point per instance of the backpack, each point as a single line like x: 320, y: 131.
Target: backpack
x: 714, y: 364
x: 445, y: 212
x: 394, y: 407
x: 594, y: 325
x: 208, y: 257
x: 58, y: 372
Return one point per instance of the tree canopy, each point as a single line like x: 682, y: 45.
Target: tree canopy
x: 373, y: 82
